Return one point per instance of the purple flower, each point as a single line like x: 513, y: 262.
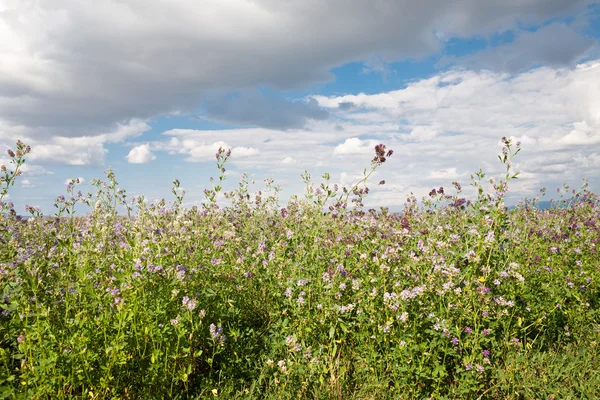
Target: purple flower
x: 468, y: 329
x: 454, y: 341
x: 215, y: 332
x: 486, y: 353
x: 468, y: 367
x: 483, y: 289
x: 288, y: 293
x: 188, y: 303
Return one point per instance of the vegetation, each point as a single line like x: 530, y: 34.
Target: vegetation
x: 448, y: 299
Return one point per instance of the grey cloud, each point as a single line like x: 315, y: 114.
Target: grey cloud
x: 346, y: 105
x: 79, y: 66
x: 254, y: 109
x: 555, y: 45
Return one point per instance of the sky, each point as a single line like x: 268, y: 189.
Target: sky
x: 152, y: 89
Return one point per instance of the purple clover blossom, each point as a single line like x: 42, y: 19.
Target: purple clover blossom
x: 288, y: 293
x: 468, y: 367
x: 181, y: 270
x: 486, y: 332
x: 484, y: 289
x: 480, y: 368
x: 188, y: 303
x: 454, y: 341
x: 468, y: 329
x: 486, y: 353
x: 290, y: 341
x: 216, y: 333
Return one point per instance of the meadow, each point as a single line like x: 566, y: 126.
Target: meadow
x: 318, y: 298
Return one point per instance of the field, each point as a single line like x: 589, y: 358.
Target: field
x: 449, y: 299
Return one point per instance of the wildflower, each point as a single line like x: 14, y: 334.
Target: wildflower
x: 308, y: 353
x: 483, y: 289
x: 282, y: 366
x: 214, y: 332
x: 468, y: 329
x: 468, y: 367
x: 486, y: 353
x: 480, y: 368
x: 188, y: 303
x: 486, y: 332
x: 454, y: 341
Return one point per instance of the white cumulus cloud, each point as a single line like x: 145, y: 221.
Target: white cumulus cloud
x: 354, y: 146
x: 244, y: 152
x: 140, y: 155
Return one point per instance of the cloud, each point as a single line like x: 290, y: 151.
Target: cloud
x: 444, y: 174
x: 354, y: 146
x: 441, y: 129
x: 552, y: 111
x: 554, y: 45
x: 244, y: 152
x: 77, y: 68
x: 26, y: 183
x: 140, y: 155
x: 83, y: 150
x: 582, y: 134
x: 424, y: 133
x: 251, y: 108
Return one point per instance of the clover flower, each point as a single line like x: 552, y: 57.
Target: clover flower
x: 188, y: 303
